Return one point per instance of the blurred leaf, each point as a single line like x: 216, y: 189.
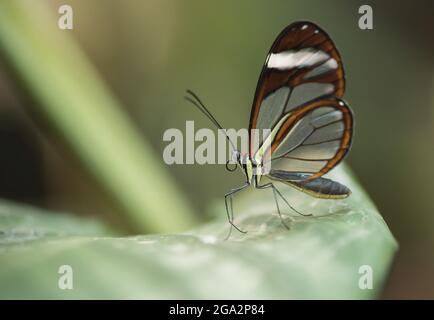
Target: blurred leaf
x: 72, y: 99
x: 318, y: 258
x: 21, y: 223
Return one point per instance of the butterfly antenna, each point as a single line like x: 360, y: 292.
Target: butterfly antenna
x: 205, y: 109
x: 194, y: 99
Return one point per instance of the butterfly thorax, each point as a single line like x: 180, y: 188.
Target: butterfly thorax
x: 251, y: 168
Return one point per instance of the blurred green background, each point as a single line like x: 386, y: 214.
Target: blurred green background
x: 149, y: 52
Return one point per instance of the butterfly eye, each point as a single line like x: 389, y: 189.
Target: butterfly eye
x: 229, y: 168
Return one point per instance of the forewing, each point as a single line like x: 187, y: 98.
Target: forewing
x: 302, y: 65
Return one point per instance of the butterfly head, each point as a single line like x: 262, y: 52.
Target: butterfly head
x: 235, y: 161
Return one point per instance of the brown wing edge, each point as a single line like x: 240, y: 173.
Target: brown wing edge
x: 300, y: 112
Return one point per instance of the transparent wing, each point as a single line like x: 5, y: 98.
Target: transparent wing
x: 314, y: 138
x: 302, y: 65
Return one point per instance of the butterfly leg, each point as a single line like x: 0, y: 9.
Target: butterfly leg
x: 229, y: 208
x: 275, y: 192
x: 292, y: 208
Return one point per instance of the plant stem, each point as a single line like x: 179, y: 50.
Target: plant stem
x: 71, y: 97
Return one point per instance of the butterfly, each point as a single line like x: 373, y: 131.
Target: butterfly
x: 298, y: 99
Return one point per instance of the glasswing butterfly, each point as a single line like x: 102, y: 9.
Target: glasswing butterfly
x: 298, y: 98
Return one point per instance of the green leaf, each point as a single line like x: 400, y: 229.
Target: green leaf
x: 20, y: 224
x: 319, y: 257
